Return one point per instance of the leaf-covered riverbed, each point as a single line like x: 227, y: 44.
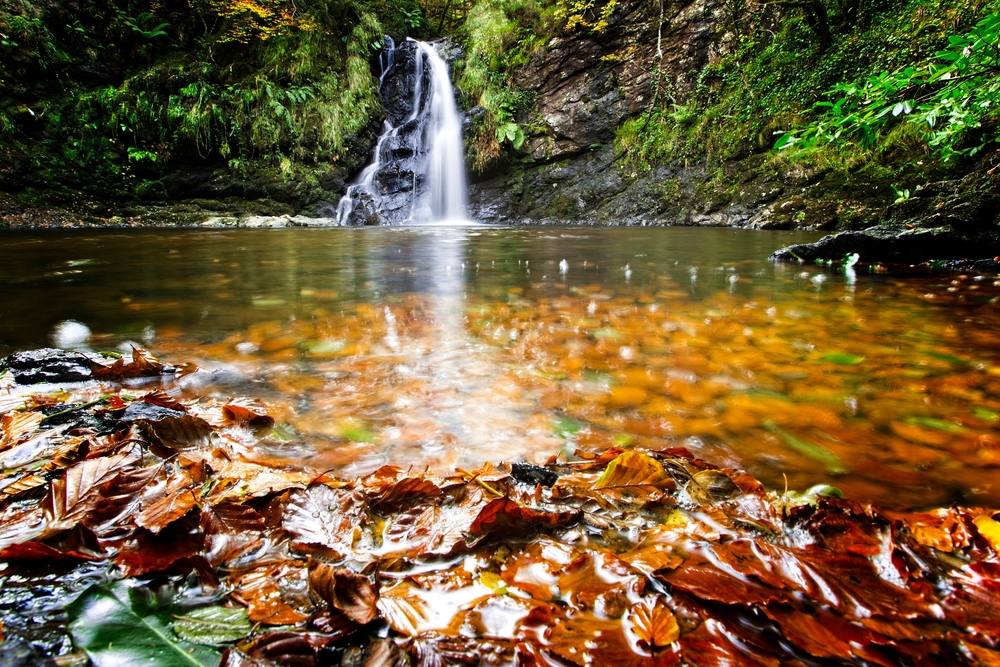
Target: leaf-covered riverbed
x: 142, y: 529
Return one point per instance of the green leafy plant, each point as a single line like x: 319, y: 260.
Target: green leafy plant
x: 949, y: 99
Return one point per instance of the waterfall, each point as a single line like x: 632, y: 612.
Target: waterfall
x: 417, y: 173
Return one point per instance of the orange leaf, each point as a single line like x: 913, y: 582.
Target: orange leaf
x: 653, y: 623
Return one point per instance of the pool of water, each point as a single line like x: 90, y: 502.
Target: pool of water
x: 451, y: 346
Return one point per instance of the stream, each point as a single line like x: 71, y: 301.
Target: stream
x: 445, y: 346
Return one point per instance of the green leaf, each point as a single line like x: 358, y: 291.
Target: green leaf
x: 986, y: 414
x: 816, y: 452
x: 936, y: 424
x: 115, y: 636
x: 842, y: 358
x: 566, y: 428
x: 950, y: 358
x: 359, y: 434
x: 213, y: 625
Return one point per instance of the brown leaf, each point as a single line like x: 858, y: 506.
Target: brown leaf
x: 231, y: 517
x: 118, y: 496
x: 321, y: 515
x: 283, y: 648
x: 505, y: 516
x: 268, y: 607
x: 654, y: 623
x: 167, y: 501
x: 146, y: 552
x: 353, y: 594
x: 16, y: 425
x: 631, y: 469
x: 143, y: 364
x: 406, y: 492
x: 187, y: 432
x: 247, y: 413
x: 73, y: 496
x: 164, y: 400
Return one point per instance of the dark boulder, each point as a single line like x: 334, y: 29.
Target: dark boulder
x: 47, y: 365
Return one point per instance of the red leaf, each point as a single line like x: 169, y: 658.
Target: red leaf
x: 36, y: 552
x: 503, y: 514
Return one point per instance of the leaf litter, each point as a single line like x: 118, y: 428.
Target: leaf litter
x: 202, y: 551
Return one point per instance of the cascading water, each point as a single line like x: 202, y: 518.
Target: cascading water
x: 417, y: 174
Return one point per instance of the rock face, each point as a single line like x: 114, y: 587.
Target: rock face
x: 586, y: 87
x: 944, y: 220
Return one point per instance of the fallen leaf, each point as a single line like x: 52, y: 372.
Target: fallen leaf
x: 352, y: 594
x: 503, y: 515
x: 654, y: 623
x: 631, y: 469
x: 212, y: 626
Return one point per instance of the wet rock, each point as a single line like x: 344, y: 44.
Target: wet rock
x: 142, y: 411
x: 47, y: 365
x: 883, y: 245
x: 943, y: 220
x: 14, y: 653
x: 532, y: 475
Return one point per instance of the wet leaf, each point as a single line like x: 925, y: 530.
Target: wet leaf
x: 936, y: 424
x: 212, y: 626
x: 16, y: 425
x: 247, y: 413
x: 654, y: 623
x: 990, y: 530
x: 504, y: 516
x: 631, y: 469
x: 352, y: 594
x: 406, y: 492
x: 72, y: 497
x: 816, y: 452
x: 113, y: 635
x: 143, y: 364
x: 842, y: 358
x: 283, y: 648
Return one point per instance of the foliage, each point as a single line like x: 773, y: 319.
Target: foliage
x: 212, y: 545
x: 497, y: 43
x: 948, y: 99
x: 774, y: 72
x: 256, y: 84
x: 587, y: 15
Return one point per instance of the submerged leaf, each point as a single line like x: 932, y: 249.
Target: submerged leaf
x: 842, y: 358
x: 212, y: 625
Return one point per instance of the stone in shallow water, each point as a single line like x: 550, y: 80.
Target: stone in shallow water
x: 47, y: 365
x: 528, y: 473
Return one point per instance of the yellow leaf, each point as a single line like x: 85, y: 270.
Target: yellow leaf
x: 631, y: 469
x: 989, y: 529
x: 654, y: 623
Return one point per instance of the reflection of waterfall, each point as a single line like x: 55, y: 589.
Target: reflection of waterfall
x: 418, y: 171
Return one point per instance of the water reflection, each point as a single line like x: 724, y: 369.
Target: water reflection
x: 451, y: 346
